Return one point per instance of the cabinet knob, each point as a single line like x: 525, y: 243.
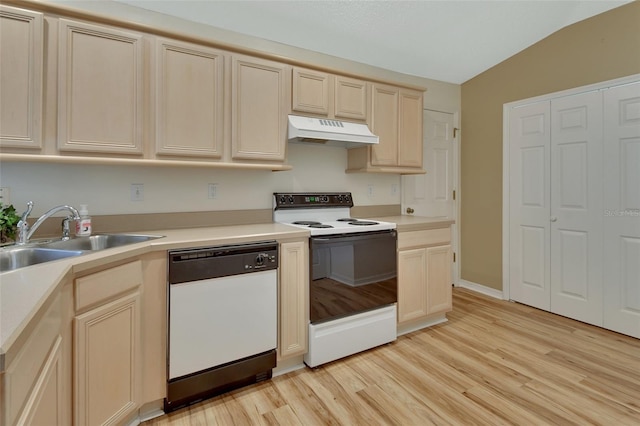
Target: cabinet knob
x: 553, y: 219
x: 410, y: 210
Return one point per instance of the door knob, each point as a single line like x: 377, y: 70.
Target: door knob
x: 553, y: 219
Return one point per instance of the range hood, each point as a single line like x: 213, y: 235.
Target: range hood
x: 329, y: 132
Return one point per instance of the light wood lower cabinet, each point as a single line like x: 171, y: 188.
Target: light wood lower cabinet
x: 424, y: 274
x: 35, y: 387
x: 293, y: 299
x: 107, y: 345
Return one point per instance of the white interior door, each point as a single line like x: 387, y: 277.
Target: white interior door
x: 529, y: 203
x: 622, y: 209
x: 431, y: 194
x: 576, y: 207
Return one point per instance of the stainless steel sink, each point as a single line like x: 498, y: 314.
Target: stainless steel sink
x: 100, y: 242
x: 19, y: 257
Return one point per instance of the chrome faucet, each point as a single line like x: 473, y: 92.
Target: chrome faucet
x: 25, y: 232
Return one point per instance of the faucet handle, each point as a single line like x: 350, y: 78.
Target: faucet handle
x: 23, y: 226
x: 26, y: 214
x: 65, y: 228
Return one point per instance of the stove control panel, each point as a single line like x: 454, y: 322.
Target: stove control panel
x: 297, y: 200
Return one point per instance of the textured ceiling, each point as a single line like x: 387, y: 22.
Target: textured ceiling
x: 451, y: 41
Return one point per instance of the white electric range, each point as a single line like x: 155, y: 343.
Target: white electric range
x: 353, y: 274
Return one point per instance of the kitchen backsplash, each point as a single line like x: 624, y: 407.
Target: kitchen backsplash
x: 107, y: 189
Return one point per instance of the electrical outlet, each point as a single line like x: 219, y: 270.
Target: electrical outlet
x: 137, y: 192
x: 213, y: 191
x: 370, y: 190
x: 5, y: 199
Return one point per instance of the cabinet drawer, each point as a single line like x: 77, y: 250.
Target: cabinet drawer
x: 106, y: 284
x: 424, y: 238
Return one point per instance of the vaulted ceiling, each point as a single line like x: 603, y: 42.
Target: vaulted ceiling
x: 447, y: 40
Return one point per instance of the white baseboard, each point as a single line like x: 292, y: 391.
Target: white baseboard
x: 487, y: 291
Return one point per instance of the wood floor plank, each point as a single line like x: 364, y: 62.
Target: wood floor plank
x: 493, y: 363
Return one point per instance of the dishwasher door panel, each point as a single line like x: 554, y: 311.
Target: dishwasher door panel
x: 216, y: 321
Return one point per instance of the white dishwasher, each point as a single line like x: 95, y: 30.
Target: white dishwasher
x: 222, y: 319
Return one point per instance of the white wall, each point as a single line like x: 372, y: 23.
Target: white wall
x: 107, y: 188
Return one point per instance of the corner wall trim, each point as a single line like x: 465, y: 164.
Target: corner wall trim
x: 487, y: 291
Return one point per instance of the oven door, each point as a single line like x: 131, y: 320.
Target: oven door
x: 352, y: 273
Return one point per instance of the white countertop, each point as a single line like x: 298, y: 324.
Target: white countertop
x: 24, y: 291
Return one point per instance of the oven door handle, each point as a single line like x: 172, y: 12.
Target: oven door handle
x: 352, y: 237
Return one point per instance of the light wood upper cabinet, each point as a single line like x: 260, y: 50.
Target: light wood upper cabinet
x: 260, y: 103
x: 384, y: 124
x: 21, y: 44
x: 424, y: 274
x: 293, y: 297
x: 100, y: 89
x: 310, y: 91
x: 189, y: 99
x: 321, y: 94
x: 351, y: 98
x: 107, y: 345
x: 396, y: 118
x: 410, y: 129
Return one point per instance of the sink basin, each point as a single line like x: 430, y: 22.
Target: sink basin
x: 100, y: 242
x: 19, y: 257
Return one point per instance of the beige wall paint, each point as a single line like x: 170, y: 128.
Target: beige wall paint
x: 601, y: 48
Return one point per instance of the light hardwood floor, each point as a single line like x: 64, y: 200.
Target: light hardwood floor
x: 492, y: 363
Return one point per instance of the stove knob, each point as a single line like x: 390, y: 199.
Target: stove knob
x: 347, y: 199
x: 325, y: 199
x: 291, y: 199
x: 283, y: 199
x: 339, y: 198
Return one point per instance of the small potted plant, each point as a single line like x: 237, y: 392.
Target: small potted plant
x: 8, y: 223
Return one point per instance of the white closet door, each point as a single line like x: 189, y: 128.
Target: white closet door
x: 576, y: 207
x: 529, y: 199
x: 622, y: 210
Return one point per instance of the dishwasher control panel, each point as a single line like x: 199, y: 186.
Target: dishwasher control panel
x: 194, y: 264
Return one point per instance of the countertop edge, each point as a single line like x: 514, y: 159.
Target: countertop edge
x: 56, y: 272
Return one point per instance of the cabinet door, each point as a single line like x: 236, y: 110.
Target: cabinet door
x: 21, y: 44
x: 100, y: 89
x: 384, y: 123
x: 107, y: 362
x: 351, y: 98
x: 438, y: 279
x: 310, y: 91
x: 412, y: 284
x: 410, y: 129
x: 293, y: 299
x: 259, y: 106
x: 189, y: 99
x: 47, y: 404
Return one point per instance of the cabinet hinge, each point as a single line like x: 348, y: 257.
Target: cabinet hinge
x: 454, y: 256
x: 454, y: 195
x: 455, y: 132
